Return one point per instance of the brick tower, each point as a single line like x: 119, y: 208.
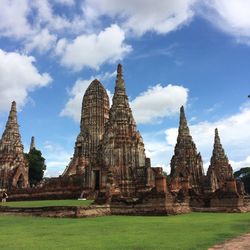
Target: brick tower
x: 14, y: 169
x: 186, y: 164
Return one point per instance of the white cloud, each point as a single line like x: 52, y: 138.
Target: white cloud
x: 42, y: 41
x: 158, y: 102
x: 18, y: 76
x: 57, y: 158
x: 157, y: 150
x: 230, y: 16
x: 234, y: 133
x: 245, y: 163
x: 35, y: 24
x: 46, y: 16
x: 13, y: 21
x: 94, y: 50
x: 139, y: 17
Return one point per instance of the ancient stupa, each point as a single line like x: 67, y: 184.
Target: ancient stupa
x: 219, y: 171
x: 94, y: 115
x: 122, y: 145
x: 14, y: 169
x: 186, y: 164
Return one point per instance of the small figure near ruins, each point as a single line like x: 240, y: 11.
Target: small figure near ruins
x: 4, y: 197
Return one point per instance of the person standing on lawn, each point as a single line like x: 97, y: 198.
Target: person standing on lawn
x: 4, y: 197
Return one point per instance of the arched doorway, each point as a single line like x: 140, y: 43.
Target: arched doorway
x: 20, y: 181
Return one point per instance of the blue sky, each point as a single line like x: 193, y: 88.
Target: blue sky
x: 184, y: 52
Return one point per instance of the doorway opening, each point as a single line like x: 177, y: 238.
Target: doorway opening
x: 97, y: 179
x: 20, y: 182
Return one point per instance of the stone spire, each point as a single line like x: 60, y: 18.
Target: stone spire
x: 119, y: 79
x: 120, y: 98
x: 123, y: 147
x: 32, y: 143
x: 186, y: 164
x: 219, y: 163
x: 13, y: 164
x: 94, y: 115
x: 11, y: 139
x: 183, y: 127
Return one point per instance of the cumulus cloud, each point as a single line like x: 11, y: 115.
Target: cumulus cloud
x: 158, y: 102
x: 18, y: 76
x: 107, y: 46
x: 35, y: 23
x: 57, y: 158
x: 42, y: 41
x: 13, y: 19
x: 234, y: 133
x: 140, y: 17
x: 25, y: 20
x: 230, y: 16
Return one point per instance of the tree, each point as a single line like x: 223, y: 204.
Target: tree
x: 244, y: 175
x: 36, y: 166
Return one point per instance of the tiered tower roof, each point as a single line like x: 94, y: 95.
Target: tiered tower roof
x: 186, y: 164
x: 11, y: 139
x: 219, y: 163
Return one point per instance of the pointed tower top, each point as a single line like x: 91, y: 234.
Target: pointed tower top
x: 32, y: 143
x: 12, y: 119
x: 183, y: 127
x: 13, y: 105
x: 217, y: 138
x: 219, y: 162
x: 11, y: 137
x: 218, y: 151
x: 119, y: 69
x: 119, y: 78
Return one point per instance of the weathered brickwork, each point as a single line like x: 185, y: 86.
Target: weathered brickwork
x: 94, y: 115
x: 219, y: 171
x: 13, y: 164
x: 109, y: 164
x: 123, y: 150
x: 186, y: 164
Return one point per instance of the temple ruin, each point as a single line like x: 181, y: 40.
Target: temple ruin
x: 186, y: 164
x: 109, y: 151
x: 14, y: 169
x: 109, y: 164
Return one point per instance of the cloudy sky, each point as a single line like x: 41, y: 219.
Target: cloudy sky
x: 194, y: 53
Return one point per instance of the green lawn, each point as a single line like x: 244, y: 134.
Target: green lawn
x: 189, y: 231
x: 48, y: 203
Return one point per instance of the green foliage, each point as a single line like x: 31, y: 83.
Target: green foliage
x: 167, y: 176
x: 36, y: 166
x: 190, y: 231
x: 244, y: 175
x: 242, y: 172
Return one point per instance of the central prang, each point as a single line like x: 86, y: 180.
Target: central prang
x: 109, y: 151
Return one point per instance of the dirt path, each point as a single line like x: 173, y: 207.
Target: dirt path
x: 240, y: 243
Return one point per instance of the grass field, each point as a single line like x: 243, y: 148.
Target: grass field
x: 189, y: 231
x: 48, y: 203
